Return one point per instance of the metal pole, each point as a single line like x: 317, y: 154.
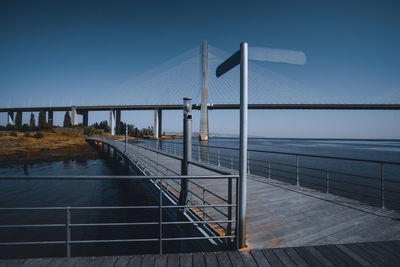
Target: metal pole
x: 187, y: 148
x: 126, y: 137
x: 68, y: 232
x: 327, y: 181
x: 382, y: 186
x: 243, y: 143
x: 297, y: 170
x: 160, y: 226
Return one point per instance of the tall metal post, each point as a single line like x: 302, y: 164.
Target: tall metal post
x: 243, y: 143
x: 187, y: 148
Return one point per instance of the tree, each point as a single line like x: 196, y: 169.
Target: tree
x: 67, y: 120
x: 32, y: 121
x: 18, y: 120
x: 42, y: 119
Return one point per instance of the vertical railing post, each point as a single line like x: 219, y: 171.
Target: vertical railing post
x: 229, y: 226
x: 126, y: 138
x: 269, y: 170
x: 248, y: 162
x: 327, y: 181
x: 68, y: 232
x: 382, y: 186
x: 219, y: 161
x: 204, y: 203
x: 297, y: 170
x: 160, y: 220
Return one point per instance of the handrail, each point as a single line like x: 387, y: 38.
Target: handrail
x: 294, y: 154
x: 160, y: 182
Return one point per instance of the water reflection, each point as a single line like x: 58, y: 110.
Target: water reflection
x: 204, y: 156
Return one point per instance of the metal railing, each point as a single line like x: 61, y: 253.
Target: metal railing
x: 167, y: 201
x: 376, y: 182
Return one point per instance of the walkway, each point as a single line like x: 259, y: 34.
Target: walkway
x: 361, y: 254
x: 283, y: 215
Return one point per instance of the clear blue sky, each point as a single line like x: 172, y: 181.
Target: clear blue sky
x: 64, y: 51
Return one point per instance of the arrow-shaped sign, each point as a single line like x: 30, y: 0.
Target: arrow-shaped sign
x: 263, y: 54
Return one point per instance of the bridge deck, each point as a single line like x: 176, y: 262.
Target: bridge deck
x: 283, y: 215
x: 361, y: 254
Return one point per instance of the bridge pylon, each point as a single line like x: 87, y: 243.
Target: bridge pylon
x: 203, y: 133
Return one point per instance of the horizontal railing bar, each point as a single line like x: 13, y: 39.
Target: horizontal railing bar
x: 298, y: 154
x: 112, y: 224
x: 197, y: 238
x: 196, y: 222
x: 108, y: 177
x: 113, y: 240
x: 32, y: 243
x: 31, y: 225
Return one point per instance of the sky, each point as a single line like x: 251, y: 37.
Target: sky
x: 67, y: 52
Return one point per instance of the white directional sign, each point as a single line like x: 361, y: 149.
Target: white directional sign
x: 263, y: 54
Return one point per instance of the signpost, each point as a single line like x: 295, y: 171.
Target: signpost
x: 241, y: 57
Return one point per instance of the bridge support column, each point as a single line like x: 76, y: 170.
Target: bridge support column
x: 157, y: 129
x: 50, y: 117
x: 74, y: 119
x: 112, y: 121
x: 118, y: 122
x: 10, y: 118
x: 85, y: 120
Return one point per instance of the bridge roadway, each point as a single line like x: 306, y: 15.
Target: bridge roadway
x: 284, y: 215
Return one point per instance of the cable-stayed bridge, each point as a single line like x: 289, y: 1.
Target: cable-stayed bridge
x: 192, y: 74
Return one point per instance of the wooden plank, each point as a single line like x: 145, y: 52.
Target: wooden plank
x: 352, y: 254
x: 330, y: 256
x: 136, y: 261
x: 248, y: 259
x: 295, y: 257
x: 343, y: 256
x: 173, y: 260
x: 37, y: 262
x: 148, y: 260
x: 260, y: 258
x: 283, y: 257
x: 271, y: 257
x: 122, y: 261
x: 186, y: 260
x: 211, y: 259
x: 367, y: 257
x: 307, y: 256
x: 12, y: 263
x: 223, y: 259
x: 161, y: 261
x: 109, y: 261
x: 82, y: 261
x: 199, y: 260
x: 383, y: 254
x: 235, y: 258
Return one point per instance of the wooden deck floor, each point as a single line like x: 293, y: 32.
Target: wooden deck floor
x: 358, y: 254
x: 284, y: 215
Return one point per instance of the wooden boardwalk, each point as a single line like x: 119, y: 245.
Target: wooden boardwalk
x: 358, y: 254
x: 284, y: 215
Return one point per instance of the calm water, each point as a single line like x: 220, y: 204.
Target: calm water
x: 355, y: 179
x: 29, y: 193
